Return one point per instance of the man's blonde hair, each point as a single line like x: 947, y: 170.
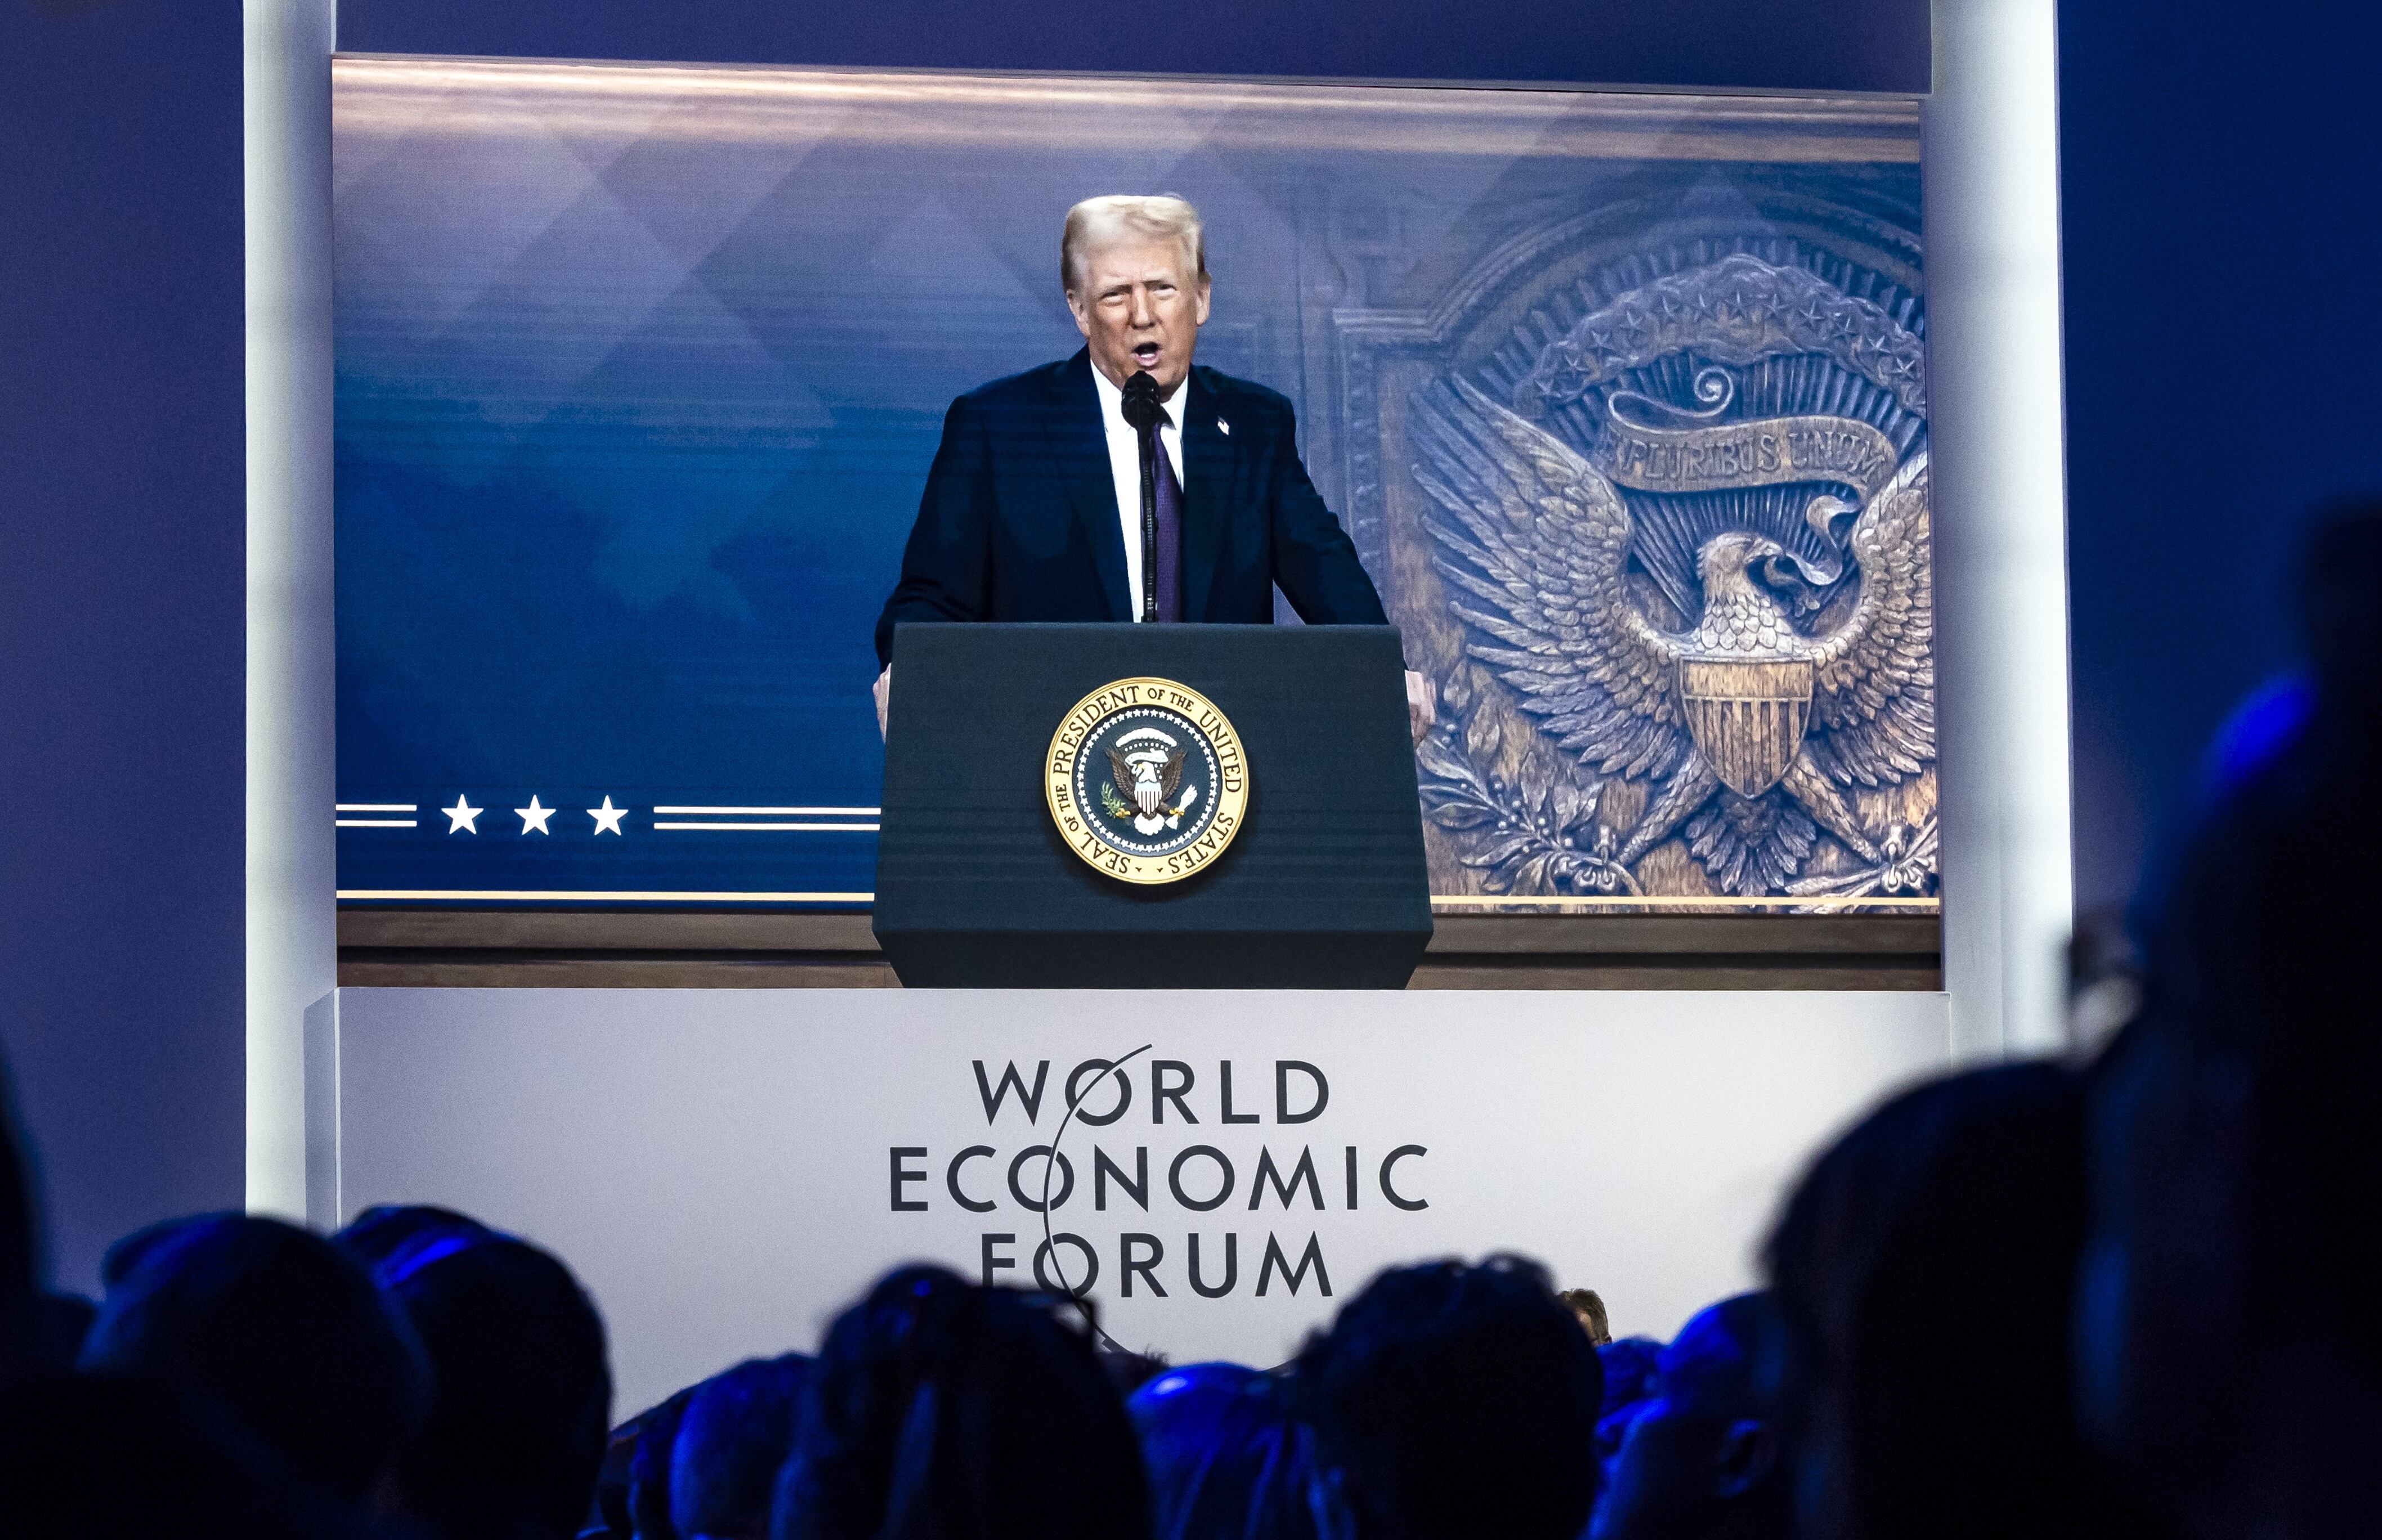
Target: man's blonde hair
x: 1099, y: 222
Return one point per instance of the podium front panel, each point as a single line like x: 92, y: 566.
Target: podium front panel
x: 1323, y: 884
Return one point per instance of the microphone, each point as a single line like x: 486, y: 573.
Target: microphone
x: 1141, y: 409
x: 1142, y: 413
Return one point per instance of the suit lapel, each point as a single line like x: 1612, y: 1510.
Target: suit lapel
x: 1079, y: 443
x: 1208, y: 454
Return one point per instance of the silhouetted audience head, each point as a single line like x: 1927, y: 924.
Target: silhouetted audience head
x: 523, y: 1390
x: 280, y: 1328
x: 1700, y: 1459
x: 1922, y: 1275
x: 126, y: 1254
x: 940, y: 1410
x: 1226, y: 1457
x: 376, y: 1235
x: 732, y: 1442
x: 2328, y: 704
x: 2233, y: 1353
x: 1456, y: 1402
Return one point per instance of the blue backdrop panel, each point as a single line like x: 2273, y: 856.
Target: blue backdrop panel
x: 639, y: 370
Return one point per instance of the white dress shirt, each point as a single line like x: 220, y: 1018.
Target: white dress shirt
x: 1124, y: 464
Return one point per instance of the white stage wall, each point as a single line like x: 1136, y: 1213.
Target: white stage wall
x: 719, y: 1166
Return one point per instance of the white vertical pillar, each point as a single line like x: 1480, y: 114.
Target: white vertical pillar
x: 1991, y: 155
x: 292, y: 938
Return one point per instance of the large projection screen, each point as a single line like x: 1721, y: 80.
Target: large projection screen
x: 639, y: 370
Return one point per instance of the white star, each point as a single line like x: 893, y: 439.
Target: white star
x: 461, y: 815
x: 534, y: 817
x: 607, y: 817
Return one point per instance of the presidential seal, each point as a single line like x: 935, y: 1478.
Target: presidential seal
x: 1146, y: 781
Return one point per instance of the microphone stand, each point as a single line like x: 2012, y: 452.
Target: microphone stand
x: 1141, y: 413
x: 1149, y: 531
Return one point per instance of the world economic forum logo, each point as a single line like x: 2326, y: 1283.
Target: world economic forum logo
x: 1146, y: 781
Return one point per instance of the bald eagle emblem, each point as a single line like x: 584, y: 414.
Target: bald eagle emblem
x: 1727, y: 599
x: 1145, y: 772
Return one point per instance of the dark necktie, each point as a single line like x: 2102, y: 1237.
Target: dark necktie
x: 1167, y: 571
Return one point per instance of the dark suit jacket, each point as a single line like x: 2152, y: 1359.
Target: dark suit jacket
x: 1020, y: 522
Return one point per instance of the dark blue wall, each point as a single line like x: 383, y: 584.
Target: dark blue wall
x: 1775, y: 44
x: 2222, y: 314
x: 122, y: 608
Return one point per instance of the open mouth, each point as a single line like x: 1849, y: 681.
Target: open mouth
x: 1146, y: 354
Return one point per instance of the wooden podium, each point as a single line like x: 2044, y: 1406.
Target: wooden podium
x: 1322, y: 885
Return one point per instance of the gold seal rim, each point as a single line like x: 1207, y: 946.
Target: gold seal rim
x: 1230, y: 799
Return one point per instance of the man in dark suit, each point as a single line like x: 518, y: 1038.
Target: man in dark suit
x: 1033, y: 508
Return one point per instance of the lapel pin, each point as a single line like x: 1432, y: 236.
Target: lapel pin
x: 1224, y: 427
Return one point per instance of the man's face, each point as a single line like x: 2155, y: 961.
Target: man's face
x: 1140, y: 307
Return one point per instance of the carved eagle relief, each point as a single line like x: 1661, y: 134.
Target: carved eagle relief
x: 1536, y: 543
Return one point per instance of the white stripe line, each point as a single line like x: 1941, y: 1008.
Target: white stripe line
x: 856, y: 827
x: 560, y: 894
x: 376, y: 807
x: 855, y: 812
x: 374, y: 823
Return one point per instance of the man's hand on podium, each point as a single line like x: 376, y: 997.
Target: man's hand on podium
x: 1422, y: 704
x: 884, y: 692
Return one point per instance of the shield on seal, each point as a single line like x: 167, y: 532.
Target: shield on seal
x: 1747, y: 716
